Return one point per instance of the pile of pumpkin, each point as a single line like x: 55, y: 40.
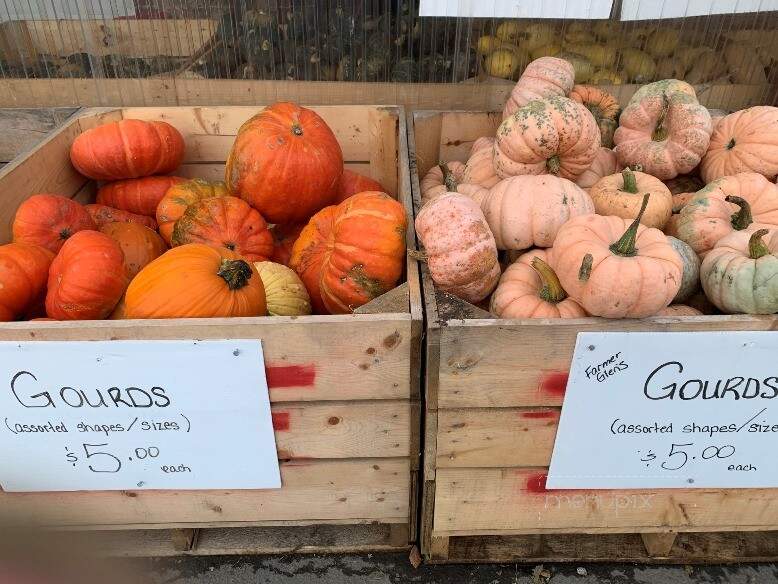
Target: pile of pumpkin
x: 158, y: 246
x: 682, y: 201
x: 606, y: 52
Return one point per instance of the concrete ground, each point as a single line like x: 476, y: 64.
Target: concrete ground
x: 395, y: 569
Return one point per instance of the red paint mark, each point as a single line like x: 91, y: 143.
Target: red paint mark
x: 280, y: 421
x: 542, y: 415
x: 554, y: 382
x: 290, y: 376
x: 536, y: 484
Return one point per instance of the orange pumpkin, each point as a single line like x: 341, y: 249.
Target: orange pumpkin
x: 603, y: 106
x: 351, y: 183
x: 664, y: 129
x: 196, y: 281
x: 745, y: 141
x: 743, y: 202
x: 284, y: 237
x: 542, y: 78
x: 179, y: 197
x: 103, y: 215
x: 24, y: 270
x: 87, y: 278
x: 127, y: 149
x: 529, y: 288
x: 621, y: 195
x: 48, y: 220
x: 137, y: 195
x: 434, y: 182
x: 139, y: 244
x: 225, y: 222
x: 617, y: 269
x: 604, y: 164
x: 479, y: 169
x: 351, y: 253
x: 286, y: 163
x: 553, y: 136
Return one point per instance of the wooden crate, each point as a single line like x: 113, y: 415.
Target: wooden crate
x: 343, y: 389
x: 23, y: 128
x: 494, y: 390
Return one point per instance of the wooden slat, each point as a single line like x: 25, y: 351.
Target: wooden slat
x: 86, y: 92
x: 321, y: 490
x: 459, y: 130
x: 23, y: 128
x: 383, y: 147
x: 473, y: 501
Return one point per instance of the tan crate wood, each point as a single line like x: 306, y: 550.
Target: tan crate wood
x: 493, y: 394
x: 343, y: 389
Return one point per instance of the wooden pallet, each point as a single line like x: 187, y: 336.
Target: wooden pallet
x: 344, y: 389
x: 493, y: 395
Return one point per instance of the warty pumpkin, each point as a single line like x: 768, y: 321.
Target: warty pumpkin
x: 196, y: 281
x: 179, y: 197
x: 140, y: 245
x: 552, y: 136
x: 527, y: 211
x: 127, y: 149
x: 622, y: 194
x: 604, y: 164
x: 433, y: 184
x: 225, y: 222
x: 137, y: 195
x: 103, y: 215
x: 24, y: 271
x: 529, y: 288
x: 284, y: 237
x: 745, y: 141
x: 351, y: 183
x: 743, y: 202
x: 479, y: 169
x: 351, y: 253
x: 663, y: 129
x: 87, y: 278
x: 284, y: 290
x: 740, y: 274
x: 543, y: 78
x: 286, y: 163
x: 459, y: 248
x: 690, y: 277
x: 49, y: 220
x: 614, y: 268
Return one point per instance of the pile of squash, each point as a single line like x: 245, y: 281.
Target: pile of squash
x: 607, y: 52
x: 542, y: 221
x: 289, y: 232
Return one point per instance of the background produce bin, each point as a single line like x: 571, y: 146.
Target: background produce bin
x: 343, y: 389
x: 493, y: 395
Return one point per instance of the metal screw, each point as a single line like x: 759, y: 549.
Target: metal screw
x: 236, y: 352
x: 690, y: 481
x: 591, y: 347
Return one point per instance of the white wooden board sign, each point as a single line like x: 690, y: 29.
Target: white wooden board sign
x: 650, y: 10
x: 517, y: 8
x: 135, y: 415
x: 669, y: 410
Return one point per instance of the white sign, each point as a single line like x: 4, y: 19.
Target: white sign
x: 657, y: 9
x: 593, y: 9
x: 669, y: 410
x: 135, y: 415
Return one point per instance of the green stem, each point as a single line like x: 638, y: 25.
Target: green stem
x: 731, y: 144
x: 660, y: 132
x: 552, y: 290
x: 757, y: 247
x: 743, y: 218
x: 553, y: 165
x: 630, y: 182
x: 235, y: 272
x: 586, y: 268
x: 448, y: 178
x: 625, y: 246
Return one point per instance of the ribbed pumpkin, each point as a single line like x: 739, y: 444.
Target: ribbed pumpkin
x: 553, y: 136
x: 351, y: 183
x: 285, y: 292
x: 137, y: 195
x: 225, y: 222
x: 529, y: 288
x: 745, y: 141
x: 460, y: 250
x: 49, y: 220
x: 603, y: 106
x: 622, y: 194
x: 24, y: 271
x: 351, y: 253
x: 286, y: 163
x: 479, y: 169
x: 103, y: 215
x: 433, y: 184
x: 196, y: 281
x: 690, y: 277
x: 179, y: 197
x: 127, y: 149
x: 87, y: 278
x: 604, y: 164
x: 284, y: 237
x: 543, y: 78
x: 139, y: 244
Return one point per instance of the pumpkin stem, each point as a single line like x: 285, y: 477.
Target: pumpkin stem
x: 235, y: 272
x: 742, y: 218
x: 448, y: 178
x: 586, y: 268
x: 757, y: 247
x: 297, y: 129
x: 552, y: 290
x: 553, y: 165
x: 660, y: 132
x: 630, y: 182
x: 625, y: 246
x: 731, y: 144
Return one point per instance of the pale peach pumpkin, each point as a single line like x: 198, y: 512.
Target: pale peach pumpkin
x: 679, y: 310
x: 542, y: 78
x: 433, y: 184
x: 604, y: 164
x: 622, y: 194
x: 479, y: 169
x: 552, y: 136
